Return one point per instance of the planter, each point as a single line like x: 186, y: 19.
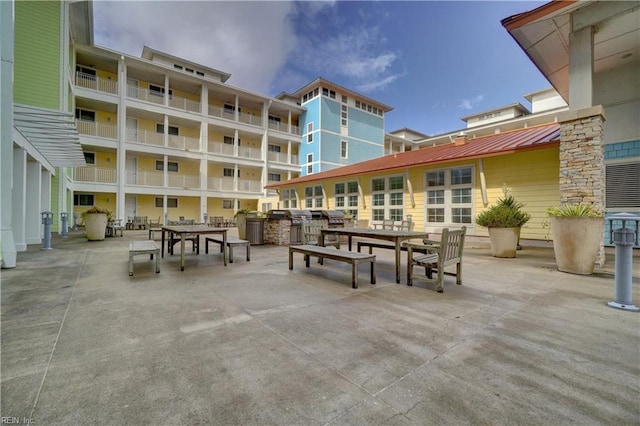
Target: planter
x: 504, y: 241
x: 576, y: 243
x: 95, y: 226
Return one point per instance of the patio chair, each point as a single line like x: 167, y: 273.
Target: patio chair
x: 217, y: 221
x: 404, y: 225
x: 439, y: 255
x: 311, y: 232
x: 386, y: 224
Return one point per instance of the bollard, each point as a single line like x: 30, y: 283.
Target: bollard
x: 624, y: 240
x: 64, y: 217
x: 47, y: 220
x: 75, y: 222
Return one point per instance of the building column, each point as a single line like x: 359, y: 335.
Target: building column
x: 582, y: 167
x: 32, y: 216
x: 121, y: 151
x: 19, y: 199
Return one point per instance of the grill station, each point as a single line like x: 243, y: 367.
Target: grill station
x: 284, y: 227
x: 334, y: 218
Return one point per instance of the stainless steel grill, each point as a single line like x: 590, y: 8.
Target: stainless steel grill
x: 297, y: 218
x: 335, y: 218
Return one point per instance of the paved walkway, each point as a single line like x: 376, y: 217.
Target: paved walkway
x: 255, y: 343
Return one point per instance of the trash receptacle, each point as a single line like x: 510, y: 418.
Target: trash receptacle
x: 255, y: 229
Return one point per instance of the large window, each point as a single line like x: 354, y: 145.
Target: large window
x: 172, y: 166
x: 173, y: 130
x: 309, y: 164
x: 346, y: 198
x: 313, y: 197
x: 172, y: 203
x: 289, y: 200
x: 90, y: 158
x: 449, y: 196
x: 344, y: 149
x: 85, y: 115
x: 387, y: 198
x: 83, y: 199
x: 309, y: 132
x: 228, y: 204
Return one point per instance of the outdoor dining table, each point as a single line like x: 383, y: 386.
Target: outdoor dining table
x: 395, y: 236
x: 184, y: 230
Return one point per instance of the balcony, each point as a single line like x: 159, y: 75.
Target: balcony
x: 216, y: 111
x: 184, y: 143
x: 249, y: 186
x: 92, y: 82
x: 220, y: 184
x: 281, y: 157
x: 101, y: 130
x: 145, y: 178
x: 155, y: 97
x: 145, y: 137
x: 283, y: 127
x: 220, y: 148
x: 184, y: 181
x: 249, y: 152
x: 94, y: 174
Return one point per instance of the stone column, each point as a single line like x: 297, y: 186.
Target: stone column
x: 582, y: 167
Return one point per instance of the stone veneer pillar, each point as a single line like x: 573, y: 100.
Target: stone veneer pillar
x: 582, y: 168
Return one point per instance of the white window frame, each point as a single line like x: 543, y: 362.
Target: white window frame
x: 172, y: 166
x: 347, y: 200
x: 289, y: 199
x: 382, y: 200
x: 172, y: 202
x: 83, y: 111
x: 344, y: 149
x: 313, y: 197
x: 448, y: 204
x: 310, y: 132
x: 90, y: 155
x: 160, y: 129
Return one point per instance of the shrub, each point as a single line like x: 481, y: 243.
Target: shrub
x: 574, y: 210
x: 98, y: 210
x: 506, y: 213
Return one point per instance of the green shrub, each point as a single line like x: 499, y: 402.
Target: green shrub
x: 574, y: 210
x: 98, y: 210
x: 506, y: 213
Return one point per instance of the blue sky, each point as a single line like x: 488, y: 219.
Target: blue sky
x: 432, y: 61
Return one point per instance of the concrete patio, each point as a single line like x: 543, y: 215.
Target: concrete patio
x: 255, y: 343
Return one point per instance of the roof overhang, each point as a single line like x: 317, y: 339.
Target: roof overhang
x: 543, y: 34
x: 51, y: 133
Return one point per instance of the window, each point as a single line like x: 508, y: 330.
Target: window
x: 387, y: 198
x: 346, y: 198
x: 228, y: 204
x: 275, y: 119
x: 289, y: 199
x: 178, y: 67
x: 228, y: 140
x: 309, y: 164
x: 172, y: 203
x: 189, y: 70
x: 85, y: 115
x: 343, y: 149
x: 228, y: 108
x: 344, y: 99
x: 172, y: 166
x: 200, y: 73
x: 158, y: 90
x: 344, y: 115
x: 273, y: 177
x: 449, y: 196
x: 173, y: 130
x: 90, y: 157
x: 274, y: 148
x: 623, y: 185
x: 88, y: 73
x: 313, y: 197
x: 228, y: 172
x: 83, y: 199
x: 309, y: 132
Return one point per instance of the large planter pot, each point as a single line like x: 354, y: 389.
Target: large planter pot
x: 95, y: 226
x: 504, y: 241
x: 576, y: 243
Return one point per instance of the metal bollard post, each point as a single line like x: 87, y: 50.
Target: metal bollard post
x: 75, y: 222
x: 624, y: 239
x: 47, y: 220
x: 64, y: 217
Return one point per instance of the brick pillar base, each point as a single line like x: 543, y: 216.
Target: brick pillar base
x: 582, y: 169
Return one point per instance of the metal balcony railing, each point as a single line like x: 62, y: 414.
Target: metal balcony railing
x: 101, y: 130
x: 100, y: 84
x: 94, y: 174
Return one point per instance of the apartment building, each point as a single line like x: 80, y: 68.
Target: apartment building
x: 164, y: 137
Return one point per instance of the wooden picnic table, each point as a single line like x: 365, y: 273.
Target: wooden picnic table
x: 395, y: 236
x: 184, y: 230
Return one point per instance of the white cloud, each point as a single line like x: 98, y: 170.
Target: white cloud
x: 250, y: 40
x: 468, y: 104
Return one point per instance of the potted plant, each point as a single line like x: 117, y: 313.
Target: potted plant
x: 241, y: 221
x: 95, y: 222
x: 577, y: 230
x: 504, y: 220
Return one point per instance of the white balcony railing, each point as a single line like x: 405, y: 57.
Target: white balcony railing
x: 249, y: 186
x: 100, y: 84
x: 94, y: 174
x: 281, y: 157
x: 249, y: 152
x: 143, y: 136
x: 220, y: 148
x: 184, y: 143
x: 145, y: 178
x: 183, y: 181
x: 220, y: 184
x: 184, y: 104
x: 255, y: 120
x: 100, y: 130
x: 156, y: 97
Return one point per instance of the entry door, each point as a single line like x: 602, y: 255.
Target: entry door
x: 132, y: 129
x: 130, y: 205
x: 132, y: 171
x: 132, y: 88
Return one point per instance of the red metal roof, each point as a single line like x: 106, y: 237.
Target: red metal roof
x: 484, y: 146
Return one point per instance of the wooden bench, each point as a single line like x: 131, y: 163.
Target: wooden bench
x: 231, y: 243
x: 143, y: 247
x: 341, y: 255
x: 372, y: 244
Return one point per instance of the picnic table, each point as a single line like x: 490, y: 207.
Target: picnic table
x: 186, y: 230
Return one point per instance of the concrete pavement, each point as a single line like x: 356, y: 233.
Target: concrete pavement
x: 255, y: 343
